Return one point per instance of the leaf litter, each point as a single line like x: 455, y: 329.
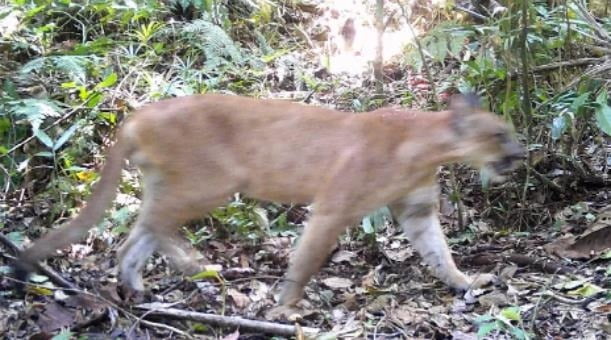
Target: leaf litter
x: 367, y: 289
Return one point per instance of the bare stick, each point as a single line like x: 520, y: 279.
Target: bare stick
x: 543, y: 265
x: 566, y: 63
x: 230, y: 321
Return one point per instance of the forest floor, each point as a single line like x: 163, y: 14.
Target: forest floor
x: 369, y: 288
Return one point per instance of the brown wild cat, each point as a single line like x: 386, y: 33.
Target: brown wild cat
x: 195, y: 152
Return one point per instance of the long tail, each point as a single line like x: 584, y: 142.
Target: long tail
x: 102, y: 196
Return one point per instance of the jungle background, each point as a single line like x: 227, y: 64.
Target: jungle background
x: 72, y: 71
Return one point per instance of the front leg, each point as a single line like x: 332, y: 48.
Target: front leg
x: 417, y: 215
x: 313, y: 248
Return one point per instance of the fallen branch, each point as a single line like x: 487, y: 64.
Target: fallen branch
x: 543, y: 265
x: 559, y: 64
x: 40, y: 267
x: 230, y: 321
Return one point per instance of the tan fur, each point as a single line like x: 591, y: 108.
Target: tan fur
x: 195, y: 152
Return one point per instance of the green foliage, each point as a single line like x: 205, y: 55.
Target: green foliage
x: 490, y: 64
x: 508, y: 321
x: 603, y: 113
x: 376, y: 220
x: 218, y: 48
x: 74, y: 66
x: 244, y: 218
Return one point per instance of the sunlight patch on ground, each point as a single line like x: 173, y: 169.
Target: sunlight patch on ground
x: 351, y: 41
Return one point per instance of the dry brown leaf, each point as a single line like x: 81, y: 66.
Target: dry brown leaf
x: 508, y: 272
x: 493, y: 299
x: 408, y: 314
x: 343, y: 256
x: 595, y: 240
x: 337, y: 282
x: 233, y: 336
x: 240, y: 299
x: 399, y: 255
x: 379, y: 303
x: 56, y: 317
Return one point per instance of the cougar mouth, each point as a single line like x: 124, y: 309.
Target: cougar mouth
x: 509, y: 162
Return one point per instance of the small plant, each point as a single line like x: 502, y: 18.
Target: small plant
x: 507, y: 321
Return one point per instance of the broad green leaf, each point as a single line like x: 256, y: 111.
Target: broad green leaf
x: 511, y: 313
x: 86, y: 176
x: 76, y: 168
x: 122, y: 229
x: 207, y: 274
x: 5, y: 125
x: 367, y: 225
x: 68, y: 85
x: 486, y: 328
x: 65, y: 136
x: 603, y: 113
x: 579, y: 102
x: 94, y: 99
x: 108, y: 81
x: 5, y: 270
x: 46, y: 154
x: 44, y: 138
x: 518, y: 333
x: 586, y: 290
x: 199, y: 327
x: 16, y: 237
x: 10, y: 89
x: 65, y: 334
x: 108, y: 116
x: 34, y: 110
x: 573, y: 284
x: 559, y: 125
x: 39, y: 290
x: 37, y: 278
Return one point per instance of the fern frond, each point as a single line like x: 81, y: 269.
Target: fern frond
x: 75, y: 66
x: 34, y: 110
x: 216, y: 44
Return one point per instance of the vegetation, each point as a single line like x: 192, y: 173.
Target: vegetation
x: 71, y: 71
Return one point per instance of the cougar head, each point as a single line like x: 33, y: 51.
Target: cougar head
x: 483, y: 140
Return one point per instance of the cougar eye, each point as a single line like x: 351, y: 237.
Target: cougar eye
x: 501, y: 136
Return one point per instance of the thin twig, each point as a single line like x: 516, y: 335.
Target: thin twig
x: 230, y: 321
x: 541, y: 264
x: 471, y: 13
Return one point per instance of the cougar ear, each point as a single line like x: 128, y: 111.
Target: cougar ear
x: 462, y: 106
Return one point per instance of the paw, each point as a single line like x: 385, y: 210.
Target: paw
x: 481, y: 280
x: 284, y: 313
x: 291, y: 293
x: 21, y: 273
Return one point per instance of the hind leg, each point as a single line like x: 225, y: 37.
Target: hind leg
x: 167, y: 204
x: 138, y: 247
